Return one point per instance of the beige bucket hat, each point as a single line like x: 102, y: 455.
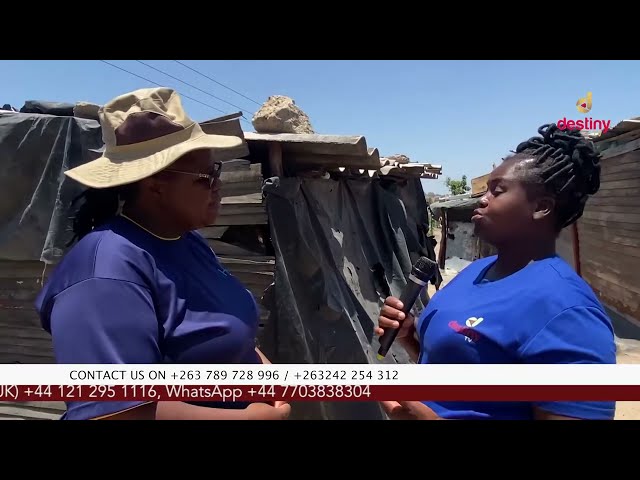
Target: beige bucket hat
x: 144, y: 132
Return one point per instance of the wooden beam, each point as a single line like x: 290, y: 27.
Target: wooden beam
x: 365, y: 162
x: 249, y: 199
x: 212, y: 232
x: 311, y: 143
x: 275, y: 159
x: 254, y: 172
x: 479, y: 185
x: 249, y: 219
x: 621, y: 149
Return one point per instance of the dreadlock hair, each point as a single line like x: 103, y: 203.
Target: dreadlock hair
x: 566, y: 165
x: 99, y: 206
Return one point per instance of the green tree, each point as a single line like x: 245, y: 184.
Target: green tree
x: 457, y: 187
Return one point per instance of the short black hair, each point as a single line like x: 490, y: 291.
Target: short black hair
x: 566, y: 165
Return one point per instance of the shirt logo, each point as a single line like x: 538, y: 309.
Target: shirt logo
x: 470, y: 335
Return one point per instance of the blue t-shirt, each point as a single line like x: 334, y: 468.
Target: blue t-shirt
x: 123, y: 295
x: 544, y: 313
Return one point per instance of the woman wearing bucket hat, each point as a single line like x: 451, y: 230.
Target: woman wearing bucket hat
x: 141, y: 286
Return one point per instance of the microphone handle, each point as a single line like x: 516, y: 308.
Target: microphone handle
x: 408, y: 298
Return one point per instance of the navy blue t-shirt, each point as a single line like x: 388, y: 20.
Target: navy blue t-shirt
x: 544, y: 313
x: 123, y: 295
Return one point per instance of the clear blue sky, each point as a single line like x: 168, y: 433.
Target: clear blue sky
x: 463, y: 115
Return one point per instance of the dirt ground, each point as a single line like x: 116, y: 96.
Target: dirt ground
x: 628, y: 351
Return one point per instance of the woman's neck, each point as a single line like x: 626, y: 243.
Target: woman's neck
x: 155, y: 224
x: 513, y: 258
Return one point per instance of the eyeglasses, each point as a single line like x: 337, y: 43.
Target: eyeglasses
x: 211, y: 177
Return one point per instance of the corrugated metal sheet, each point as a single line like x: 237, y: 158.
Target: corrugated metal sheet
x: 458, y: 209
x: 413, y: 169
x: 463, y: 203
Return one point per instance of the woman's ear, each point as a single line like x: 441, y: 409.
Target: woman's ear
x: 544, y: 207
x: 155, y: 185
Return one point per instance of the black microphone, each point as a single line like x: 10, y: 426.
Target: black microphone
x: 421, y: 273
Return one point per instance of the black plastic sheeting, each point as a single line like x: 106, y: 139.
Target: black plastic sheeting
x: 341, y: 246
x: 35, y: 150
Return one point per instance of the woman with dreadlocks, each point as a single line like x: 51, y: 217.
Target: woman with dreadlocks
x: 141, y: 286
x: 526, y: 304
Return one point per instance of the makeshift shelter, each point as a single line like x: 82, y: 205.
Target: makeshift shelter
x: 454, y: 214
x: 604, y: 245
x: 318, y: 227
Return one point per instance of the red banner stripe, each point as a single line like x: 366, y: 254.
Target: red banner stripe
x: 330, y: 393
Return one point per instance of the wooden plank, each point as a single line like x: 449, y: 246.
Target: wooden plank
x: 18, y: 297
x: 633, y: 218
x: 610, y: 224
x: 613, y: 201
x: 615, y: 208
x: 213, y: 232
x: 223, y: 248
x: 621, y: 149
x: 20, y: 317
x: 250, y: 198
x: 614, y: 192
x: 608, y: 142
x: 251, y: 259
x: 254, y: 172
x: 299, y: 160
x: 20, y: 351
x: 246, y: 265
x: 236, y: 164
x: 614, y: 177
x: 241, y: 188
x: 258, y: 279
x: 627, y: 183
x: 26, y: 358
x: 629, y: 157
x: 29, y: 334
x: 253, y: 219
x: 9, y: 321
x: 620, y: 297
x: 241, y: 209
x: 26, y: 284
x: 479, y: 184
x: 565, y: 247
x: 623, y: 237
x: 18, y: 411
x: 23, y: 269
x: 48, y: 406
x: 610, y: 257
x: 624, y: 272
x: 611, y: 169
x: 313, y: 144
x: 591, y: 245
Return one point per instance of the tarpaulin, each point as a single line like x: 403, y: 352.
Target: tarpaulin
x: 35, y: 150
x: 341, y: 246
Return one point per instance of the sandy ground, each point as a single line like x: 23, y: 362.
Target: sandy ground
x: 628, y: 352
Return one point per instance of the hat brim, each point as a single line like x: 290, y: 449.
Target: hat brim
x: 107, y: 172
